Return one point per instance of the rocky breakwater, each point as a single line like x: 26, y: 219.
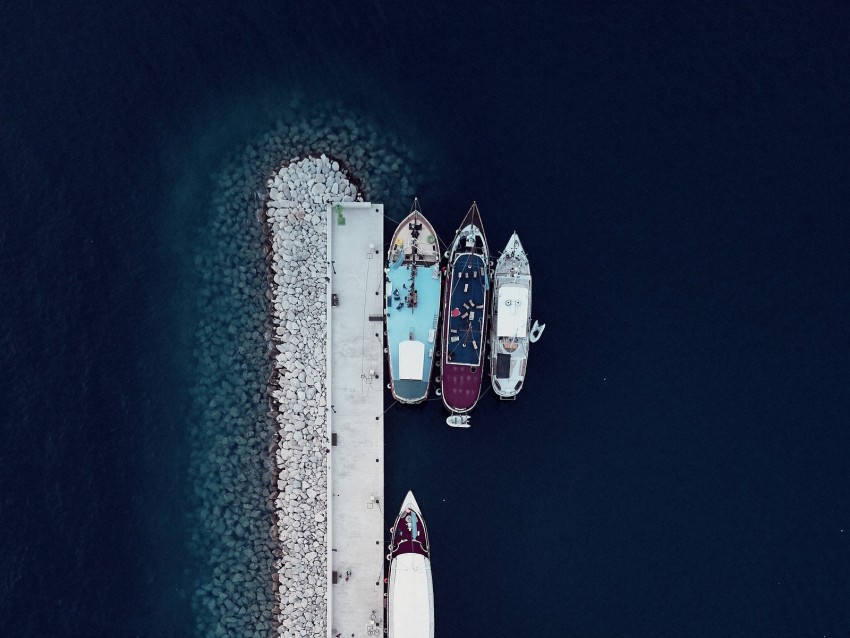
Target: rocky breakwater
x: 296, y: 227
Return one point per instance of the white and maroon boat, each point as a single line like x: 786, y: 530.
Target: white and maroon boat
x: 465, y: 315
x: 410, y: 590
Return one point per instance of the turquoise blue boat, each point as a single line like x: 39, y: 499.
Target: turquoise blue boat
x: 412, y: 309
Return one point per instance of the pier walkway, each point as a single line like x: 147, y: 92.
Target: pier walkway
x: 356, y: 543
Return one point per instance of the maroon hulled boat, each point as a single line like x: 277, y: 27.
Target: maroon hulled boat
x: 465, y: 314
x: 410, y: 587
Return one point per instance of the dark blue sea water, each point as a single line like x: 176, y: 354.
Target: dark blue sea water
x: 677, y: 464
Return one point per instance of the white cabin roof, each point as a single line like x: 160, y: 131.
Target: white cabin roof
x: 411, y: 597
x: 411, y: 359
x: 512, y: 312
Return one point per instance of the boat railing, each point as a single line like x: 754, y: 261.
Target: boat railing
x: 427, y: 259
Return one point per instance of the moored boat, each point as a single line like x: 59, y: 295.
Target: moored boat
x: 458, y: 420
x: 412, y: 284
x: 465, y: 315
x: 410, y: 589
x: 510, y: 323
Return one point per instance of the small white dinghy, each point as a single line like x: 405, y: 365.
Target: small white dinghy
x: 458, y: 420
x: 536, y: 332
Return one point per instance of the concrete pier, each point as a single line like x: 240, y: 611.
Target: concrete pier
x: 326, y: 274
x: 355, y: 386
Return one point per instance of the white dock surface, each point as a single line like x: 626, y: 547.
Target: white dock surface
x: 356, y: 540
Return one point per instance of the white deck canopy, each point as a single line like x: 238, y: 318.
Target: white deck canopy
x: 512, y: 312
x: 411, y: 359
x: 411, y: 597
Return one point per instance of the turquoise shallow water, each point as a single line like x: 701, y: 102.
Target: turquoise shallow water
x: 676, y: 463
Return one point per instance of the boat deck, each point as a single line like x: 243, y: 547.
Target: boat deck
x: 412, y: 312
x: 411, y: 536
x: 355, y: 420
x: 427, y: 247
x: 466, y: 311
x: 463, y: 332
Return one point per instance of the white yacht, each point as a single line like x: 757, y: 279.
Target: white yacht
x: 410, y: 589
x: 510, y: 326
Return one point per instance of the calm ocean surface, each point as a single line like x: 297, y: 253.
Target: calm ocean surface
x: 677, y: 464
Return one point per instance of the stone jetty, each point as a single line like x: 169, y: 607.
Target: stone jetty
x: 224, y: 256
x: 296, y: 219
